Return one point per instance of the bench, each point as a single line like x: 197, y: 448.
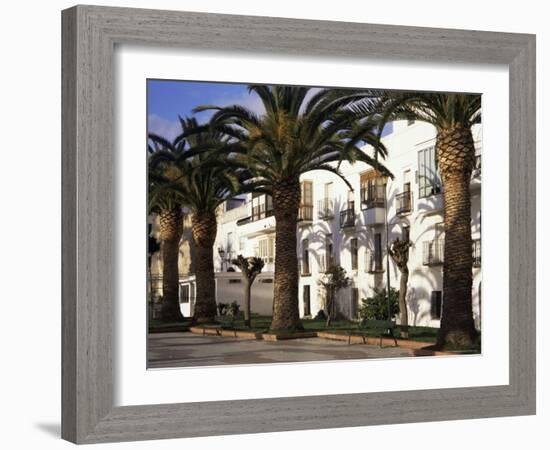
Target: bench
x: 384, y: 327
x: 225, y: 322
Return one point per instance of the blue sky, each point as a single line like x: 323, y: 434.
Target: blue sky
x: 166, y: 99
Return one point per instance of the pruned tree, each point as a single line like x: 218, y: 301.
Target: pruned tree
x: 334, y: 279
x: 250, y: 267
x: 399, y: 252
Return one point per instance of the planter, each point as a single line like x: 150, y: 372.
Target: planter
x: 219, y: 331
x: 284, y: 335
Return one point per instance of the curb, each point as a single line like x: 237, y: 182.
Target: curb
x: 218, y: 331
x: 272, y: 337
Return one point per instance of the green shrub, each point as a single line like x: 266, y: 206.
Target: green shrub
x: 376, y: 307
x: 234, y: 309
x: 222, y: 308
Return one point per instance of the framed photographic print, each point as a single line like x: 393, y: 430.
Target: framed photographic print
x: 247, y: 203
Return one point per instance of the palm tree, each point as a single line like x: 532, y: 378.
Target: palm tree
x: 297, y: 133
x: 163, y: 201
x: 453, y: 116
x: 198, y: 178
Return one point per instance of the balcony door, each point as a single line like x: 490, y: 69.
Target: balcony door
x: 328, y: 191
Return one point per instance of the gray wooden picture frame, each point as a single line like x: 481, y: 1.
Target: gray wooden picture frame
x: 90, y: 34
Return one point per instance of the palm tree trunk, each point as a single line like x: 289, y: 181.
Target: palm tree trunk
x: 456, y: 155
x: 286, y: 201
x: 170, y: 235
x: 204, y: 228
x: 403, y: 312
x: 247, y: 296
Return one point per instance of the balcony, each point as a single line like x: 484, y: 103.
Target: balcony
x: 325, y: 208
x: 347, y: 216
x: 432, y: 252
x: 372, y: 204
x: 404, y: 202
x: 476, y: 252
x: 305, y: 214
x: 373, y: 196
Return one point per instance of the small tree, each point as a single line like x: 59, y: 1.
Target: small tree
x: 376, y: 307
x: 399, y: 251
x: 250, y: 267
x: 335, y: 279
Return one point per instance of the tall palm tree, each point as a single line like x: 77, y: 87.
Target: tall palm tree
x: 297, y: 133
x: 163, y: 201
x: 453, y: 116
x: 196, y: 175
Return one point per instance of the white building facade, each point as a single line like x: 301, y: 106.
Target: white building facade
x: 348, y: 227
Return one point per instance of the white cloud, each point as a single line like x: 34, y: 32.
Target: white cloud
x: 163, y: 127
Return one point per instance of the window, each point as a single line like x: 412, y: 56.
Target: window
x: 354, y: 302
x: 328, y: 251
x: 436, y: 304
x: 306, y: 202
x: 354, y: 253
x: 229, y: 246
x: 266, y: 249
x: 305, y: 257
x: 307, y: 300
x: 328, y: 190
x: 429, y: 182
x: 377, y: 251
x: 184, y: 293
x: 372, y: 190
x: 406, y: 233
x: 262, y: 206
x: 307, y: 193
x: 242, y: 243
x: 351, y: 199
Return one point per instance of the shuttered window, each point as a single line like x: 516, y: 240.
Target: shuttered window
x: 436, y: 304
x: 354, y: 253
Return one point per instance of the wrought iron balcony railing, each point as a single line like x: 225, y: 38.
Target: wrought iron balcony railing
x: 305, y: 213
x: 373, y: 196
x: 432, y: 254
x: 347, y: 216
x: 404, y: 202
x: 476, y: 252
x: 325, y: 208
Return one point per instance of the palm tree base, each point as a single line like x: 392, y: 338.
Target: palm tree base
x: 169, y: 313
x: 456, y: 339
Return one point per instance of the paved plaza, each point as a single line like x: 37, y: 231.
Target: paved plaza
x: 188, y: 349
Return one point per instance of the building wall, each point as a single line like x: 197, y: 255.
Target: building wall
x: 238, y: 234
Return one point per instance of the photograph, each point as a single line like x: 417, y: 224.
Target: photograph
x: 290, y: 223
